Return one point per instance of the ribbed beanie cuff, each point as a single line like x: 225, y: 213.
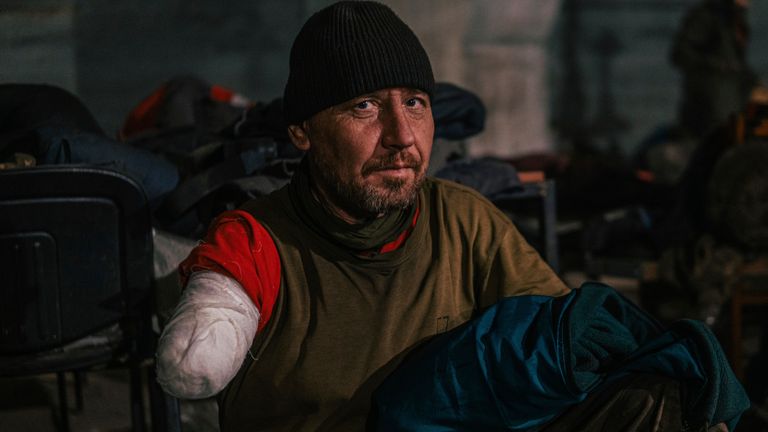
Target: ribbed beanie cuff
x: 349, y: 49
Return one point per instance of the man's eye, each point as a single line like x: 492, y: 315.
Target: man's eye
x: 363, y: 105
x: 412, y: 102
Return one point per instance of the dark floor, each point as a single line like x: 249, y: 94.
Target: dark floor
x: 31, y: 405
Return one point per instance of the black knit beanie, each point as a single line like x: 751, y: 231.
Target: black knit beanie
x: 349, y: 49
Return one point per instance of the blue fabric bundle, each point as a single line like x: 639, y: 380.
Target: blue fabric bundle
x: 527, y: 359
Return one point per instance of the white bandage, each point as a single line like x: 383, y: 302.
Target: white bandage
x: 206, y: 340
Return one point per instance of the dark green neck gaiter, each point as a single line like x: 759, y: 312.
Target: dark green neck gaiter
x: 366, y: 236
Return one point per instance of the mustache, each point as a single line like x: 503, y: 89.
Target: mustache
x: 392, y: 160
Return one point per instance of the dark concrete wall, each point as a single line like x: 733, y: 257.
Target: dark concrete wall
x: 632, y: 39
x: 113, y: 53
x: 126, y: 48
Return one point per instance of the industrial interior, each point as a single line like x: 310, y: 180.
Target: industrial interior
x: 626, y: 139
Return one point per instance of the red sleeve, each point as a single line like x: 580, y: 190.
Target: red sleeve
x: 238, y: 246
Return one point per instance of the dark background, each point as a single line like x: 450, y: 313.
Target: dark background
x: 600, y: 64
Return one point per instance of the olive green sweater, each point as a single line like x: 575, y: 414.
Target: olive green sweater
x: 342, y: 322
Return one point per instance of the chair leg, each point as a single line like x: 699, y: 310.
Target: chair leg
x: 79, y: 378
x: 61, y: 383
x: 137, y: 399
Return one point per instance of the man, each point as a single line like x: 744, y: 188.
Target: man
x: 710, y: 49
x: 298, y: 305
x: 357, y: 260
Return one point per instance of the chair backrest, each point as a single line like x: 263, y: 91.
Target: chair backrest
x: 75, y: 254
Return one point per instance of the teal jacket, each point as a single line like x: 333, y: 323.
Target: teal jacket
x: 527, y: 359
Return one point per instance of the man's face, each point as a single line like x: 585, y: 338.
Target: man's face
x: 369, y: 155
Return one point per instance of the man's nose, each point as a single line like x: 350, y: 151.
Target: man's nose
x: 397, y: 133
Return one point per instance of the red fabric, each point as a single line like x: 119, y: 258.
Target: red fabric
x: 144, y: 116
x: 240, y: 247
x: 400, y: 240
x: 221, y: 94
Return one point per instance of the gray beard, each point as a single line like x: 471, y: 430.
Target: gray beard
x: 363, y: 199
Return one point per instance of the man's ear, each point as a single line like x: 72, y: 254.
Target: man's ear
x: 299, y: 136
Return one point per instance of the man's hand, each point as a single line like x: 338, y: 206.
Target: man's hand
x: 720, y: 427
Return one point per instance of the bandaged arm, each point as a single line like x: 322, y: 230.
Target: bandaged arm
x: 231, y: 282
x: 207, y: 338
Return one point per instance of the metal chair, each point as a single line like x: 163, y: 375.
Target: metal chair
x: 75, y: 293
